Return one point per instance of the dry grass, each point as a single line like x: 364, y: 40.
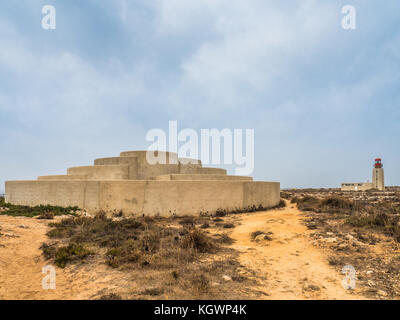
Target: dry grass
x: 178, y: 258
x: 382, y: 216
x: 366, y: 229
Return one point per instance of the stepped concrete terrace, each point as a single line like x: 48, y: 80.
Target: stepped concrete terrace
x: 130, y: 183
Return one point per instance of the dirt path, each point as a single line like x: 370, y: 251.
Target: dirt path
x: 288, y: 266
x: 21, y: 264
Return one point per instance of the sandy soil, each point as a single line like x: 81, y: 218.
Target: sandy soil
x: 288, y: 266
x: 21, y: 264
x: 284, y: 267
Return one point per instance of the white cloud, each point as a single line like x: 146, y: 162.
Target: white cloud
x: 256, y: 47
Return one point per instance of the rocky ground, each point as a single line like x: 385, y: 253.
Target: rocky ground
x: 295, y: 252
x: 364, y: 236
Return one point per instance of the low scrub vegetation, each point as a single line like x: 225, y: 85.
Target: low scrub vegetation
x: 129, y: 240
x: 42, y: 211
x: 71, y: 253
x: 253, y: 208
x: 388, y: 224
x: 174, y: 255
x: 329, y: 204
x: 381, y: 216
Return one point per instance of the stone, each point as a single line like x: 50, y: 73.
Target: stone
x: 226, y: 278
x: 371, y: 283
x: 382, y: 293
x: 349, y: 237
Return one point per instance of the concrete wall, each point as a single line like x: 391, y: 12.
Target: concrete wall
x: 211, y: 171
x: 149, y: 197
x: 84, y: 194
x: 357, y: 186
x: 132, y: 162
x: 106, y: 172
x: 140, y: 169
x: 64, y: 177
x: 169, y: 177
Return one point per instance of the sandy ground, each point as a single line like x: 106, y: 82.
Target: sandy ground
x: 21, y: 264
x: 288, y: 266
x: 284, y: 267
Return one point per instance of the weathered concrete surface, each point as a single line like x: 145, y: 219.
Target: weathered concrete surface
x: 106, y: 172
x: 357, y: 186
x: 168, y: 177
x: 149, y: 197
x: 64, y: 177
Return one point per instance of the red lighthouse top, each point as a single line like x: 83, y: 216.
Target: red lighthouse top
x: 378, y: 163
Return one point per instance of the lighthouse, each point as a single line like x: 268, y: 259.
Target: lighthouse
x: 378, y: 179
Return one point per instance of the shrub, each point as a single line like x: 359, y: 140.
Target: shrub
x: 117, y: 256
x: 380, y: 221
x: 205, y: 225
x: 198, y: 241
x: 111, y: 296
x: 201, y: 283
x: 282, y: 204
x: 128, y: 240
x: 72, y: 252
x: 328, y: 205
x: 255, y: 234
x: 224, y: 239
x: 47, y: 215
x: 27, y: 211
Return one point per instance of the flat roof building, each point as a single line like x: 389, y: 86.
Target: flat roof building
x: 378, y: 180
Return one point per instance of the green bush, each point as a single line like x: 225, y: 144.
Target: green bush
x: 27, y: 211
x: 70, y: 253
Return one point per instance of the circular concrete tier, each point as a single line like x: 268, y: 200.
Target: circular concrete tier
x: 211, y: 171
x: 64, y: 177
x: 165, y: 157
x: 115, y: 161
x: 201, y: 177
x: 142, y: 153
x: 106, y: 172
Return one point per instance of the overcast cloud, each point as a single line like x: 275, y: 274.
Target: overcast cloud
x: 324, y: 101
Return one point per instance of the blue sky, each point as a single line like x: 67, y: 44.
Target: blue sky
x: 323, y: 101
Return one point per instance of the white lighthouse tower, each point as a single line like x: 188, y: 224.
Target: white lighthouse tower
x: 378, y: 178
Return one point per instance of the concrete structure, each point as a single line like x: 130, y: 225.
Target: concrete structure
x: 378, y: 180
x: 130, y: 183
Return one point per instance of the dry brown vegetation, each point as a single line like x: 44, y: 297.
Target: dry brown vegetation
x: 361, y: 229
x: 278, y: 254
x: 177, y: 254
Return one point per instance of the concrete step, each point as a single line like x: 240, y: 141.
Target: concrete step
x: 64, y: 177
x: 104, y: 172
x: 200, y: 177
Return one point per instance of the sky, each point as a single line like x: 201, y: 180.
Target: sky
x: 323, y: 101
